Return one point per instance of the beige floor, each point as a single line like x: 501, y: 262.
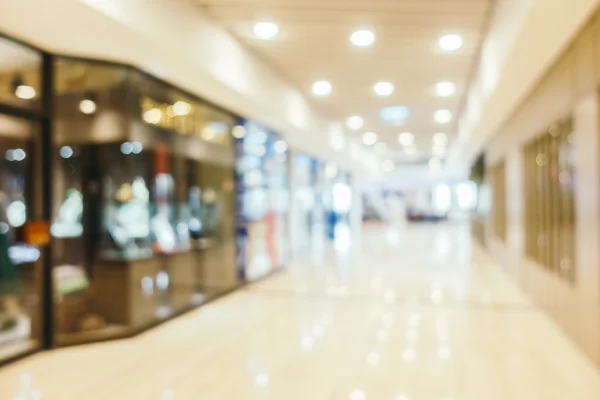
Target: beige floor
x: 416, y: 315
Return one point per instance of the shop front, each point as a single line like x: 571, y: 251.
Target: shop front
x: 143, y: 201
x: 121, y: 201
x: 21, y: 200
x: 262, y: 201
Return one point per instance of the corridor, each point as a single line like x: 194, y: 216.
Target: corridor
x: 419, y: 314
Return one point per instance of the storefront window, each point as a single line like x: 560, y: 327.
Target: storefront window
x: 20, y: 264
x: 20, y: 75
x: 263, y: 190
x: 143, y: 213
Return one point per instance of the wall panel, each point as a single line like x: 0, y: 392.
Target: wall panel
x: 569, y: 293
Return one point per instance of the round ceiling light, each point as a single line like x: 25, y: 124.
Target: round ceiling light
x: 442, y: 116
x: 440, y: 138
x: 445, y: 89
x: 406, y: 138
x: 369, y: 138
x: 355, y: 122
x: 322, y: 88
x: 383, y: 88
x: 362, y: 38
x: 451, y: 42
x: 265, y: 30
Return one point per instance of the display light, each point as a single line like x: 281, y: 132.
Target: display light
x: 21, y: 89
x: 181, y: 108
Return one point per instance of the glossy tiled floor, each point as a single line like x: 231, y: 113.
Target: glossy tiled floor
x: 415, y: 315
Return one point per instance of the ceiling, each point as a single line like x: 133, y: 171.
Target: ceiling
x: 15, y: 56
x: 313, y: 44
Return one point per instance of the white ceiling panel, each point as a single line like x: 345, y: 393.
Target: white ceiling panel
x: 313, y: 44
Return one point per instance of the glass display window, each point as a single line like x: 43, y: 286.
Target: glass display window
x: 164, y: 233
x: 171, y: 109
x: 20, y: 75
x: 263, y: 199
x: 143, y: 201
x: 20, y: 264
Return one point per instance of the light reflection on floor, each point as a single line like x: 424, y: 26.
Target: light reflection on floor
x: 409, y: 314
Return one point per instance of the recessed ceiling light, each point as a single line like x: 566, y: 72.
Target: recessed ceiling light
x: 322, y: 88
x: 442, y: 116
x: 362, y: 38
x: 445, y: 89
x: 440, y: 138
x: 383, y: 88
x: 380, y: 147
x: 369, y: 138
x: 406, y: 138
x: 265, y: 30
x: 388, y: 166
x: 450, y: 42
x: 355, y: 122
x: 394, y: 115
